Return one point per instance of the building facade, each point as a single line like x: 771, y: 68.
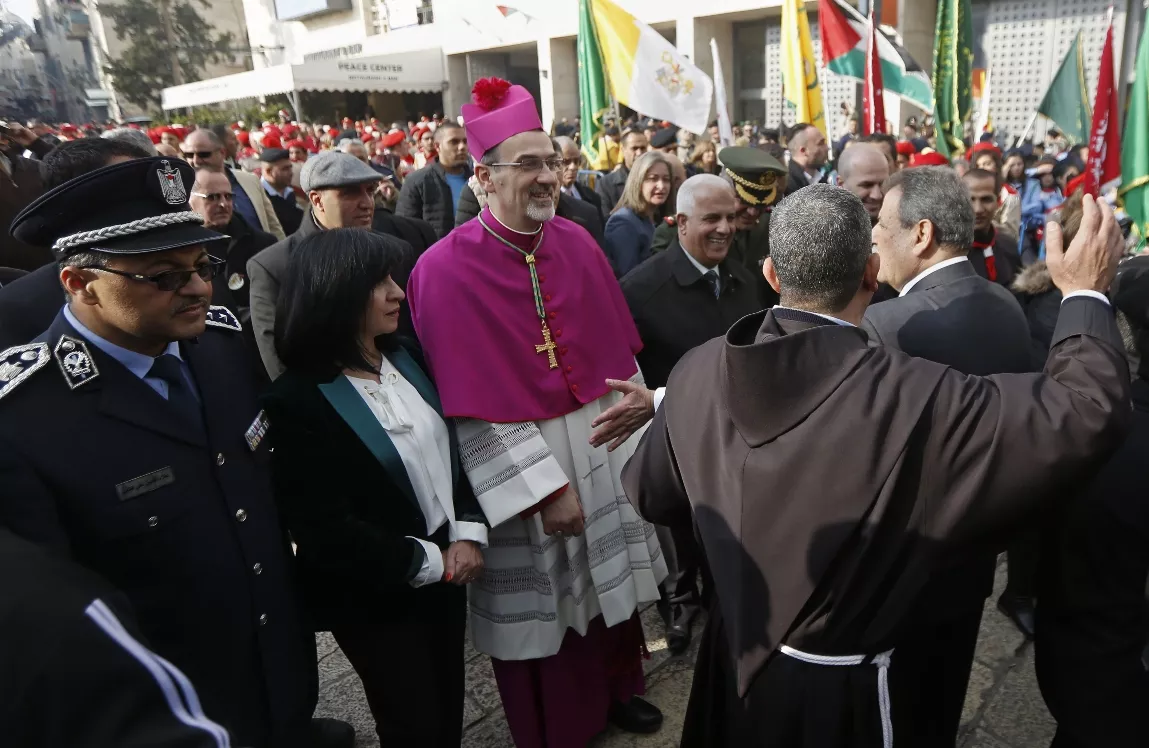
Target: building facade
x: 1020, y: 43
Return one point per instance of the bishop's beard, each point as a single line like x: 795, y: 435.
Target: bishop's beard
x: 539, y: 211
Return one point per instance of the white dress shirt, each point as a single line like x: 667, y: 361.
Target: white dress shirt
x: 931, y: 269
x: 420, y: 437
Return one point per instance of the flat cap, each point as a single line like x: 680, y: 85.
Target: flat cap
x: 131, y: 207
x: 335, y: 169
x: 271, y: 155
x: 755, y: 174
x: 664, y: 138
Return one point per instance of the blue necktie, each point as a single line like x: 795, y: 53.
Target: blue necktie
x: 711, y: 277
x: 168, y: 368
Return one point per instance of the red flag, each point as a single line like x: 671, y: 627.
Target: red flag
x: 873, y: 100
x: 1104, y: 164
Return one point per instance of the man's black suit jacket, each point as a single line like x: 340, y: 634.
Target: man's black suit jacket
x: 416, y: 232
x: 954, y: 317
x: 675, y: 309
x: 609, y: 189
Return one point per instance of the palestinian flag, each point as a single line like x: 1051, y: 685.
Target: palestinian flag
x: 844, y: 32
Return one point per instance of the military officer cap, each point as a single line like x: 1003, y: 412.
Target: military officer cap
x: 665, y: 137
x: 128, y: 208
x: 271, y: 155
x: 755, y: 174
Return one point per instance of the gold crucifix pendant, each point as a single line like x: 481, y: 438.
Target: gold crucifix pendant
x: 549, y: 347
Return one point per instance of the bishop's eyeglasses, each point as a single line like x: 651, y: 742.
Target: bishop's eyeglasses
x: 533, y: 164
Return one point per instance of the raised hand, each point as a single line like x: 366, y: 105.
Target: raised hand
x: 1090, y: 261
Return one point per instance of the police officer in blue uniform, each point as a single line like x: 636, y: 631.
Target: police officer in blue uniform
x: 131, y: 440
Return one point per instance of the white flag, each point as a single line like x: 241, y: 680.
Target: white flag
x: 647, y: 73
x: 725, y: 131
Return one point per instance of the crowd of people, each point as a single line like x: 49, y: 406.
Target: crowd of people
x: 398, y: 383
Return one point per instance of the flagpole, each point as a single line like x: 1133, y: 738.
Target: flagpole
x: 1025, y: 132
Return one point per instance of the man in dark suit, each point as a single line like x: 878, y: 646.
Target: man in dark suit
x: 681, y: 298
x: 809, y: 153
x: 827, y: 479
x: 341, y: 189
x: 276, y: 182
x: 167, y: 495
x: 609, y: 188
x: 949, y: 314
x: 569, y: 183
x: 29, y: 304
x: 1093, y: 623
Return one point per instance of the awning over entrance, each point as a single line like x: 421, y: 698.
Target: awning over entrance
x: 419, y: 71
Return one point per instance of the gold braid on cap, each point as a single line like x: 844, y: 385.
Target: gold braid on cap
x: 767, y: 185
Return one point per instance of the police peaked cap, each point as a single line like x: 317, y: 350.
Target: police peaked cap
x: 128, y: 208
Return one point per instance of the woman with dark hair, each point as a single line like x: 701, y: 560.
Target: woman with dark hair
x: 367, y: 477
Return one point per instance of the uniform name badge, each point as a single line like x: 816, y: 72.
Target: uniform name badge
x: 258, y: 429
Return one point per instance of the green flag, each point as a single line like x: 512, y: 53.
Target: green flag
x: 953, y: 74
x: 592, y: 88
x: 1134, y: 192
x: 1067, y: 102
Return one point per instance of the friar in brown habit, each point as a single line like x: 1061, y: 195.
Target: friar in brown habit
x: 827, y: 479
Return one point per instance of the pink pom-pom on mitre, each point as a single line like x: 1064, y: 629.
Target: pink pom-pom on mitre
x: 488, y: 93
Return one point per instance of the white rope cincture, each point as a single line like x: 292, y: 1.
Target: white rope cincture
x: 126, y: 229
x: 881, y: 661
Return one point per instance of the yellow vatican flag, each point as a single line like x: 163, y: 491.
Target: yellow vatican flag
x: 799, y: 68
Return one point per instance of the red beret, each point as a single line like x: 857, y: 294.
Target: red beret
x: 297, y: 143
x: 243, y: 136
x: 393, y: 138
x: 906, y: 148
x: 154, y: 135
x: 289, y: 130
x: 271, y: 140
x: 929, y: 159
x: 982, y: 148
x: 1073, y: 185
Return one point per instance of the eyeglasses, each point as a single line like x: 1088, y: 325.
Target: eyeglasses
x: 572, y: 161
x: 202, y: 155
x: 534, y: 164
x: 215, y: 197
x: 172, y: 280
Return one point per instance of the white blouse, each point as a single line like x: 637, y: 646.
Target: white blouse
x: 420, y: 437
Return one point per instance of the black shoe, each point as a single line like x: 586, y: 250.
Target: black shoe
x: 664, y: 611
x: 679, y: 631
x: 636, y: 715
x: 1020, y: 610
x: 331, y: 733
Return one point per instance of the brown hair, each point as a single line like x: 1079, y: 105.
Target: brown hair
x: 702, y: 147
x: 632, y: 192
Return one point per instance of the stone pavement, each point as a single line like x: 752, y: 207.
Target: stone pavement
x: 1003, y: 707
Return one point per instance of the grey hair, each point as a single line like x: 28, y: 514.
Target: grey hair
x: 135, y: 137
x: 347, y: 144
x: 699, y: 182
x: 562, y: 141
x: 938, y: 195
x: 820, y: 243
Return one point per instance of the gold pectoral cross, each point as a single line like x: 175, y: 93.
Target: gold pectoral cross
x: 548, y: 346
